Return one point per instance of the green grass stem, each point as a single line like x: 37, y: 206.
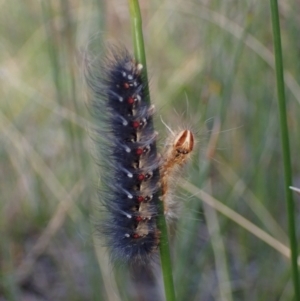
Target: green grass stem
x: 138, y: 40
x: 285, y: 145
x: 57, y: 76
x: 139, y: 50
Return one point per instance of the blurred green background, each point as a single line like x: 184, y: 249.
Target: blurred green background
x: 211, y: 67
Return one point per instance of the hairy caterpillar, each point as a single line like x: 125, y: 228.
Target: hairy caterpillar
x: 133, y: 175
x: 175, y: 154
x: 130, y: 174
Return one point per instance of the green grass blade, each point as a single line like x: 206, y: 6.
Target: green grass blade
x: 140, y: 56
x: 285, y: 145
x: 138, y: 40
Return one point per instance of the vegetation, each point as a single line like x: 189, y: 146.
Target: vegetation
x: 211, y: 67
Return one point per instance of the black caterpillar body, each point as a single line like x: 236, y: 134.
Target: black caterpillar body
x: 128, y: 156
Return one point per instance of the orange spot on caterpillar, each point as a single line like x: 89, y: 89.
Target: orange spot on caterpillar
x: 140, y: 199
x: 135, y: 124
x: 139, y: 151
x: 126, y: 85
x: 135, y: 235
x: 141, y: 177
x: 138, y: 218
x: 130, y: 100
